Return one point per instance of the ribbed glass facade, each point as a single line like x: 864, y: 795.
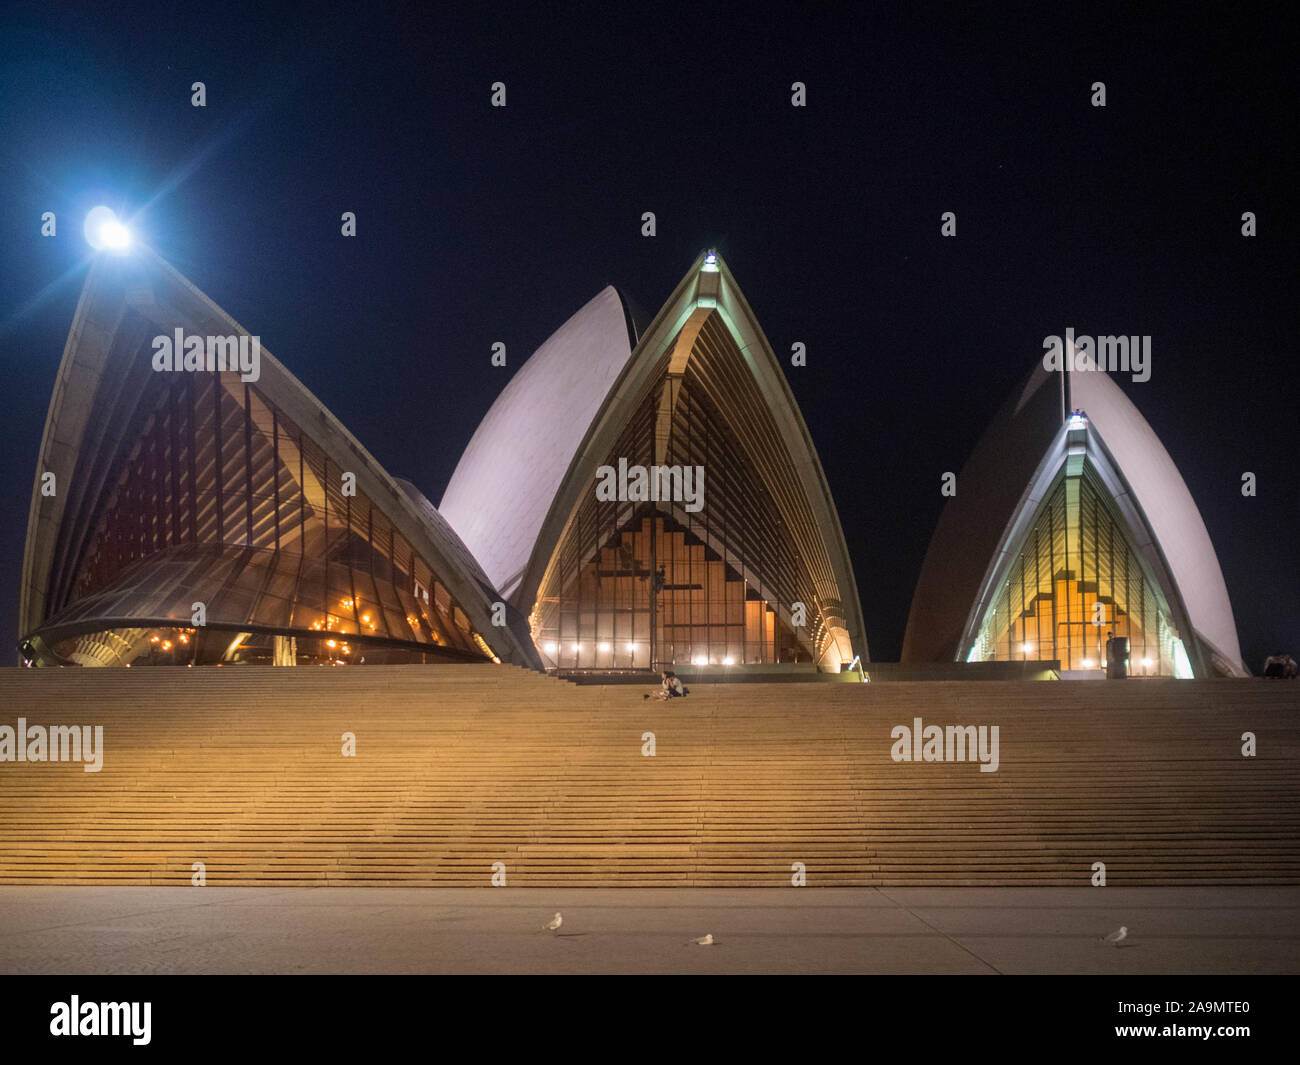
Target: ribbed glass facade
x: 1075, y: 580
x: 638, y: 584
x: 656, y: 594
x: 214, y: 496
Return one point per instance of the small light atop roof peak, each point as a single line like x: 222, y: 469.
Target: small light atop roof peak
x: 104, y: 232
x: 711, y: 263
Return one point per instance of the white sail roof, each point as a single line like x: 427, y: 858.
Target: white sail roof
x: 512, y: 470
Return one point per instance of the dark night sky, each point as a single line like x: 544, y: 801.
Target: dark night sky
x: 478, y: 224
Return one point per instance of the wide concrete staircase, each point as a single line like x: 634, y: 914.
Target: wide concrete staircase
x: 461, y: 767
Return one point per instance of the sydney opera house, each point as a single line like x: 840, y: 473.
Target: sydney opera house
x: 639, y: 496
x: 1071, y: 523
x: 753, y: 572
x: 192, y: 515
x: 197, y: 517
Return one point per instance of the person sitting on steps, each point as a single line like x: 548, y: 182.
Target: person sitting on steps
x: 673, y: 688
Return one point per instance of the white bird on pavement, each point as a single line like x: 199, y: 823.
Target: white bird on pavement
x: 554, y: 923
x: 1116, y: 938
x: 704, y: 941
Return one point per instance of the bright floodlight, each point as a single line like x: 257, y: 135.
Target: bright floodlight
x: 104, y: 232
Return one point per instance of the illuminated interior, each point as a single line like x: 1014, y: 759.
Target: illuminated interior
x: 658, y: 595
x: 635, y: 584
x: 1076, y: 579
x: 210, y: 493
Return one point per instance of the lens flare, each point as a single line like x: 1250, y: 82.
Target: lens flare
x: 104, y: 232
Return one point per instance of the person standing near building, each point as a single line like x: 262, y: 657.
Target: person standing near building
x: 1116, y: 657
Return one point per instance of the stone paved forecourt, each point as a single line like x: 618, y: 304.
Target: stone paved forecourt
x: 116, y: 931
x: 462, y: 767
